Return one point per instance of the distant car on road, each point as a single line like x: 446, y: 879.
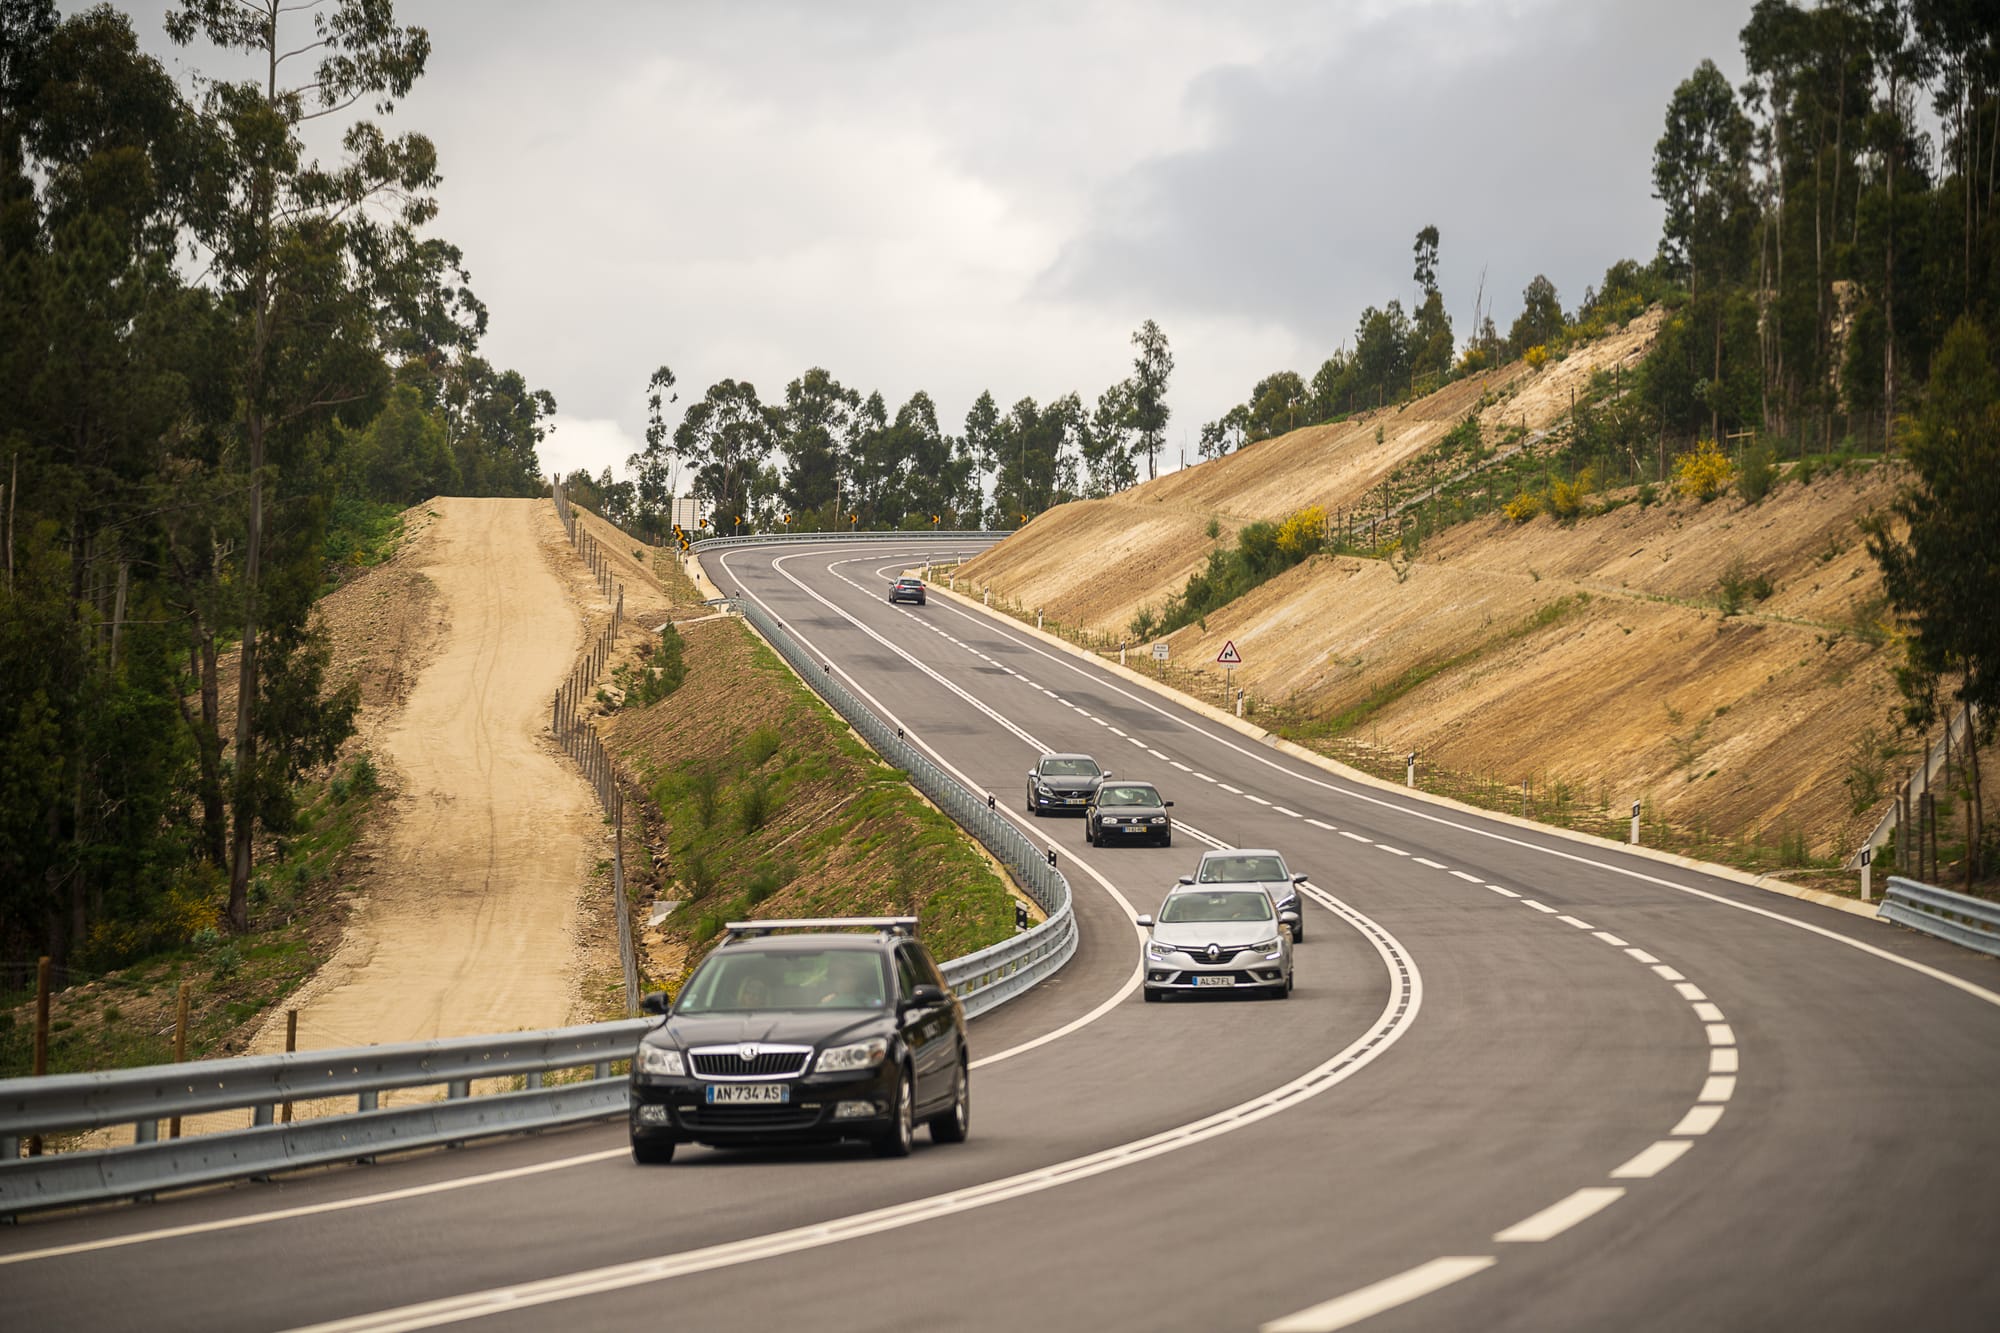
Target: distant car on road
x: 1217, y: 939
x: 1259, y: 866
x: 906, y: 590
x: 1128, y: 812
x: 1063, y: 782
x: 845, y: 1030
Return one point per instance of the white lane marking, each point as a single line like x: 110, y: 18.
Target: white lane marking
x: 1689, y: 991
x: 1698, y: 1120
x: 1707, y: 1012
x: 1417, y: 811
x: 1279, y: 809
x: 1426, y: 861
x: 1133, y: 740
x: 1653, y: 1160
x: 1258, y: 799
x: 1718, y: 1088
x: 1641, y: 955
x: 1204, y: 777
x: 1404, y: 1001
x: 1115, y: 731
x: 1665, y: 973
x: 1321, y: 823
x: 1560, y: 1216
x: 1371, y: 1300
x: 1469, y: 879
x: 1610, y: 939
x: 1345, y: 833
x: 1504, y: 893
x: 1721, y: 1034
x: 1539, y: 907
x: 1234, y: 790
x: 1156, y: 754
x: 1722, y: 1060
x: 1178, y: 764
x: 1082, y: 713
x: 1393, y: 851
x: 1572, y: 921
x: 312, y: 1209
x: 1100, y: 722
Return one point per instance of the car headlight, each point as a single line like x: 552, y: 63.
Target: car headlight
x: 1159, y: 819
x: 860, y: 1055
x: 660, y: 1060
x: 1268, y: 948
x: 1156, y: 950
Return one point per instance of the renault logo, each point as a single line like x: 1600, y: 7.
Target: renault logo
x: 747, y: 1052
x: 1214, y: 952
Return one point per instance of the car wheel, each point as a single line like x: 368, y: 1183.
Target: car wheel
x: 1152, y: 996
x: 652, y: 1152
x: 1089, y: 834
x: 953, y: 1125
x: 1166, y: 840
x: 1034, y: 809
x: 1299, y: 934
x: 902, y: 1135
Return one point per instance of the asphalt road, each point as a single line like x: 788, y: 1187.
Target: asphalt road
x: 1524, y: 1083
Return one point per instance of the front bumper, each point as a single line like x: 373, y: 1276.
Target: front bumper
x: 819, y: 1108
x: 1061, y: 800
x: 1119, y: 831
x: 1247, y: 969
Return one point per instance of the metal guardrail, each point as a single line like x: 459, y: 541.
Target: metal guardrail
x: 1971, y: 922
x: 68, y: 1103
x: 768, y: 538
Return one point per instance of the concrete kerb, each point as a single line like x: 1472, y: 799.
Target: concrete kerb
x: 1354, y: 775
x: 703, y: 584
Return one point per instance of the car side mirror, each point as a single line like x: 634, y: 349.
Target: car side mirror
x: 1166, y: 805
x: 1104, y: 775
x: 657, y: 1002
x: 1288, y: 918
x: 1298, y: 879
x: 1146, y: 920
x: 1187, y: 879
x: 927, y: 996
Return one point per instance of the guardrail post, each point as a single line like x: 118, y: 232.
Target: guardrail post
x: 263, y: 1113
x: 368, y: 1100
x: 458, y: 1089
x: 146, y: 1131
x: 602, y: 1069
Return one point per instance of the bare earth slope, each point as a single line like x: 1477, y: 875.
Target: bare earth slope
x: 469, y: 916
x: 1593, y: 653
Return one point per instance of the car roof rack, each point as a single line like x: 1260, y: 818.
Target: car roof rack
x: 893, y: 925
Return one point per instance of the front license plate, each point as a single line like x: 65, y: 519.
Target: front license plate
x: 758, y: 1094
x: 1215, y: 981
x: 1137, y: 828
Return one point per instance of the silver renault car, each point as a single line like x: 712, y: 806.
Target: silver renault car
x: 1218, y: 938
x: 1245, y: 866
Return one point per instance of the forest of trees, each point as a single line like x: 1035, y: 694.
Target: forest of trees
x: 218, y: 357
x: 827, y: 458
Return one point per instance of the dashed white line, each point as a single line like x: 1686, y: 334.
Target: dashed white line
x: 1722, y: 1060
x: 1321, y: 823
x: 1356, y: 836
x: 1469, y: 879
x: 1226, y: 787
x: 1707, y: 1012
x: 1698, y: 1120
x: 1371, y: 1300
x: 1718, y: 1088
x: 1426, y: 861
x: 1258, y: 799
x: 1114, y: 731
x: 1560, y: 1216
x: 1204, y: 777
x: 1641, y: 955
x: 1283, y: 811
x: 1689, y: 991
x: 1610, y: 939
x: 1572, y: 921
x: 1539, y: 907
x: 1178, y: 764
x: 1665, y: 973
x: 1504, y: 893
x: 1393, y: 851
x: 1653, y: 1160
x: 1721, y: 1034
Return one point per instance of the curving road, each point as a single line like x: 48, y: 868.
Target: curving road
x: 1524, y: 1083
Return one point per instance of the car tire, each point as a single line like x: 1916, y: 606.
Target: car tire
x: 1089, y: 836
x: 1034, y: 809
x: 1152, y: 996
x: 952, y: 1126
x: 652, y: 1152
x: 1299, y: 933
x: 1166, y: 840
x: 900, y: 1138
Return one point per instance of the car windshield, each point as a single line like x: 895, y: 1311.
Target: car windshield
x: 1240, y: 870
x: 1127, y: 796
x: 910, y: 583
x: 1069, y: 768
x: 1228, y: 906
x: 738, y: 980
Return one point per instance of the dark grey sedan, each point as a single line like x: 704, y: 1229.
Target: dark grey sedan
x: 1128, y: 812
x: 1063, y: 782
x: 1260, y: 866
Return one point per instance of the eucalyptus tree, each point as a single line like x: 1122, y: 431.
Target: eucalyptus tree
x: 1151, y: 369
x: 724, y: 439
x: 813, y: 433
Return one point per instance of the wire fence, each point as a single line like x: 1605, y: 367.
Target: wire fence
x: 580, y: 740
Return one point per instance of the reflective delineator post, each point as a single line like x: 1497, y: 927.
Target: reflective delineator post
x: 1410, y: 770
x: 1635, y: 823
x: 1867, y: 875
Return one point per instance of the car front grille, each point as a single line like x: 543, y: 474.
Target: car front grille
x: 748, y: 1117
x: 725, y: 1062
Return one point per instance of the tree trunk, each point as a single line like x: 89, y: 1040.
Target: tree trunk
x: 246, y: 690
x: 1889, y: 278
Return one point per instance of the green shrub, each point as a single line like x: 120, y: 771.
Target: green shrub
x: 761, y: 745
x: 753, y: 805
x: 661, y: 674
x: 1738, y: 587
x: 707, y: 928
x: 1757, y: 476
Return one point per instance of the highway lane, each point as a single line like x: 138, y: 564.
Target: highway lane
x: 1835, y: 1183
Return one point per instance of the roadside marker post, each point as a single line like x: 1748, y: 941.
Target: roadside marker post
x: 1867, y: 875
x: 1410, y: 771
x: 1635, y: 823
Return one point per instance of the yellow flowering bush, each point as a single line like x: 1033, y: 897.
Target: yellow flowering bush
x: 1704, y: 473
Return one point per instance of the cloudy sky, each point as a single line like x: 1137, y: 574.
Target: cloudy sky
x: 956, y: 197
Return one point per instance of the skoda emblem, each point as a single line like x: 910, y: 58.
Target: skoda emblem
x: 1214, y: 952
x: 747, y: 1052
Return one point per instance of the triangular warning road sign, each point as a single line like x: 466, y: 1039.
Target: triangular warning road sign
x: 1229, y: 656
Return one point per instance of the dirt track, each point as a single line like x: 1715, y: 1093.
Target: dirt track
x: 470, y: 918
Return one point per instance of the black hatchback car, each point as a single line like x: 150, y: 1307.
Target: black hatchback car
x: 805, y: 1031
x: 1128, y: 812
x: 906, y: 590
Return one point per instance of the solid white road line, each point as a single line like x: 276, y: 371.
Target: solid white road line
x: 1653, y: 1160
x: 1404, y: 1001
x: 1698, y: 1120
x: 1373, y: 1299
x: 1561, y: 1216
